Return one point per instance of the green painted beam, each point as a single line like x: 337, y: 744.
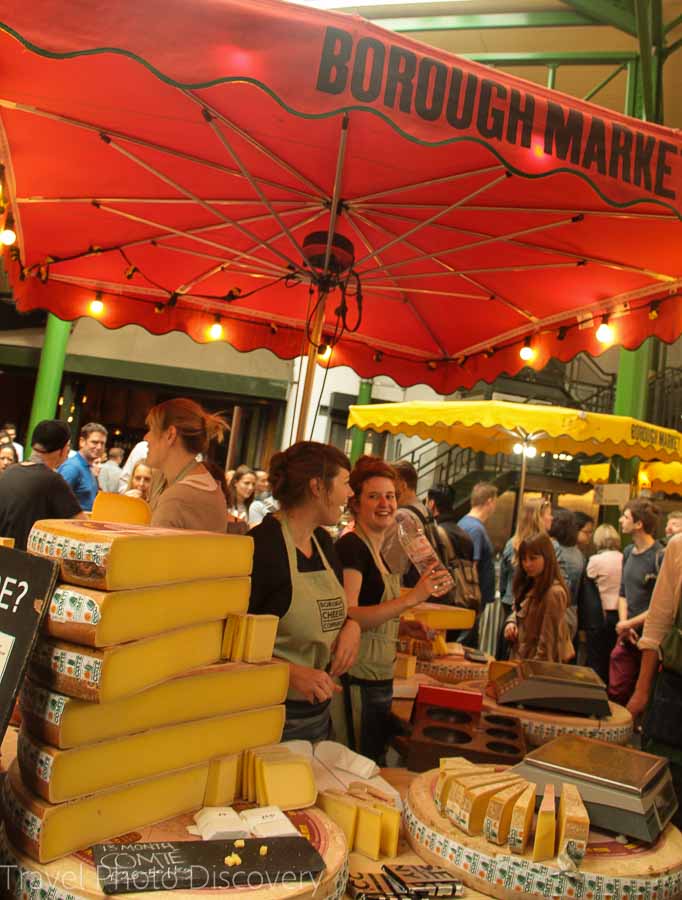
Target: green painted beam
x: 50, y: 371
x: 602, y: 84
x: 218, y: 382
x: 617, y: 13
x: 569, y: 58
x: 357, y: 436
x: 19, y: 357
x: 558, y: 19
x: 646, y: 60
x: 668, y: 27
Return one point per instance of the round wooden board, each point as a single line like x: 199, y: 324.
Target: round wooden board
x: 74, y: 877
x: 452, y: 669
x: 541, y: 727
x: 610, y: 870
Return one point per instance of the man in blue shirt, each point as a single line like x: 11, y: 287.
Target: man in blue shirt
x: 483, y: 502
x: 77, y: 470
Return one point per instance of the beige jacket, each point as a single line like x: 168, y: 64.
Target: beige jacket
x: 665, y: 599
x: 195, y: 503
x: 542, y: 625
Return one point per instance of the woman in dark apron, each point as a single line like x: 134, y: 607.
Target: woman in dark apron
x: 376, y: 603
x: 298, y: 577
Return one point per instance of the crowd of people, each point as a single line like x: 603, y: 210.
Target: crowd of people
x: 566, y: 592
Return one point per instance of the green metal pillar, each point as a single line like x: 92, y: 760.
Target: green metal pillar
x: 50, y: 370
x: 357, y: 435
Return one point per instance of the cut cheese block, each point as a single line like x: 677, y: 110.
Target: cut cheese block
x: 574, y: 824
x: 111, y: 557
x: 341, y: 810
x: 442, y: 618
x: 59, y: 775
x: 287, y: 782
x: 390, y: 828
x: 368, y: 831
x: 238, y: 639
x: 462, y: 781
x: 499, y: 812
x: 545, y: 827
x: 209, y: 691
x: 261, y: 632
x: 469, y: 812
x: 46, y: 831
x: 405, y: 665
x: 455, y: 762
x: 228, y: 637
x: 257, y: 757
x: 107, y: 674
x: 439, y: 645
x: 447, y: 779
x: 223, y: 785
x: 99, y: 619
x: 522, y: 820
x: 498, y: 668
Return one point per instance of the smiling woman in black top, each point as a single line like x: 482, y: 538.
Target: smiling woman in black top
x: 297, y: 576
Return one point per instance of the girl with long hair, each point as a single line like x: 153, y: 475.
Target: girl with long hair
x: 241, y: 492
x: 537, y: 627
x: 535, y: 518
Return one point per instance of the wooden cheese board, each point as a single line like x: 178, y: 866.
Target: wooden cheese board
x: 540, y: 727
x: 610, y: 869
x: 74, y: 877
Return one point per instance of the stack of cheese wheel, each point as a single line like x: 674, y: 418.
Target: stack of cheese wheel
x: 131, y: 715
x: 480, y: 821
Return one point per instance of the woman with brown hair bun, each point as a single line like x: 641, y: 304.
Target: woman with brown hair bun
x: 298, y: 577
x: 178, y: 430
x: 375, y: 602
x: 537, y: 627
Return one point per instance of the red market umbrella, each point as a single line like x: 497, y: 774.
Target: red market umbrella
x: 183, y: 165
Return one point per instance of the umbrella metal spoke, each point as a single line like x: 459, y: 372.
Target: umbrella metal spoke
x: 177, y: 232
x: 269, y: 154
x: 495, y: 295
x: 263, y: 199
x: 421, y: 225
x: 482, y: 243
x: 528, y: 268
x: 446, y: 179
x: 533, y: 209
x: 415, y: 312
x: 374, y: 224
x: 261, y: 242
x: 142, y: 142
x: 396, y: 288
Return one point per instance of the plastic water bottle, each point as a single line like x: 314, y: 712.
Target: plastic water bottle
x: 420, y: 551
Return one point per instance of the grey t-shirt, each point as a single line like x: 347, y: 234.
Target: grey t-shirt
x: 639, y: 577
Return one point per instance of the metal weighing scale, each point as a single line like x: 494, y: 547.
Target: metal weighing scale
x: 554, y: 687
x: 624, y: 790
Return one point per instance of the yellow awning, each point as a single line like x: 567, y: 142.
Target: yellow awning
x: 664, y: 478
x: 495, y: 426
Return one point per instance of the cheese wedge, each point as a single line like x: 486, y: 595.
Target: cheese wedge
x: 455, y: 762
x: 228, y: 637
x: 209, y: 691
x: 469, y: 813
x: 522, y: 820
x: 111, y: 556
x: 405, y: 665
x: 574, y: 823
x: 261, y: 632
x: 257, y: 757
x: 107, y: 674
x: 287, y: 783
x: 390, y: 828
x: 342, y: 811
x: 239, y: 640
x: 442, y: 618
x: 498, y: 815
x: 100, y: 619
x: 46, y: 831
x: 545, y: 827
x: 498, y: 668
x: 59, y: 775
x: 447, y: 778
x: 223, y: 785
x: 462, y: 781
x: 368, y: 831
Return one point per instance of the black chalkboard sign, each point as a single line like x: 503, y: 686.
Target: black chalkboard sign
x: 185, y: 865
x: 26, y: 586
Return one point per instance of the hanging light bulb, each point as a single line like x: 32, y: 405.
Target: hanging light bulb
x: 96, y: 307
x: 8, y: 235
x: 518, y: 449
x: 216, y: 331
x: 531, y: 452
x: 324, y: 352
x: 605, y: 334
x: 527, y: 353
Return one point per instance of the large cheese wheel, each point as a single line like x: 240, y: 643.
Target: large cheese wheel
x: 539, y: 727
x: 75, y: 878
x: 109, y: 556
x: 609, y: 870
x: 452, y: 669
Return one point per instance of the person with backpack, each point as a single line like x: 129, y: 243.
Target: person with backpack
x: 483, y: 503
x: 641, y: 564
